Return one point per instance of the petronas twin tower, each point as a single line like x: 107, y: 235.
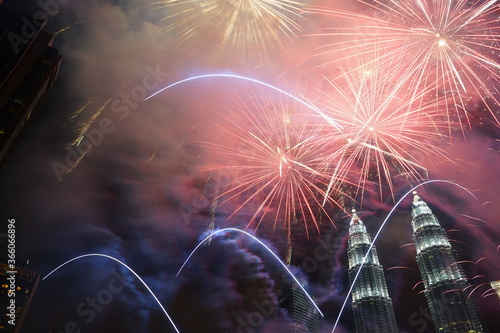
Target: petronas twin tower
x: 451, y: 310
x: 371, y: 303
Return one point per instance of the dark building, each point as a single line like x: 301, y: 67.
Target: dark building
x: 18, y: 286
x: 300, y: 310
x: 452, y: 309
x: 371, y: 304
x: 28, y: 69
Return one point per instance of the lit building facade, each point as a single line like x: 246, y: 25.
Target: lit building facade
x: 28, y: 69
x: 372, y: 306
x: 22, y: 284
x: 444, y: 281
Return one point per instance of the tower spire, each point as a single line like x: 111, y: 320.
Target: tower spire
x: 444, y: 281
x: 415, y: 197
x: 372, y: 306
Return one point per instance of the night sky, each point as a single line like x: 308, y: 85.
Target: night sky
x: 142, y: 194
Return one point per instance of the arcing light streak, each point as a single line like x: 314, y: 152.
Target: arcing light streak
x: 124, y: 265
x: 378, y: 233
x: 268, y: 250
x: 239, y: 77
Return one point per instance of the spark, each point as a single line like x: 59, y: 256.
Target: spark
x: 69, y: 27
x: 153, y: 155
x: 79, y: 141
x: 489, y: 292
x: 478, y: 219
x: 124, y: 265
x: 401, y: 267
x: 265, y: 247
x: 83, y: 127
x: 76, y: 113
x: 416, y: 285
x: 477, y: 287
x: 214, y: 201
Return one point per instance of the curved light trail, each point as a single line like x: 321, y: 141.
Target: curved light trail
x: 124, y: 265
x: 239, y: 77
x: 265, y: 246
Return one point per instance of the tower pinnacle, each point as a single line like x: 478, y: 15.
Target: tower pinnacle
x: 355, y: 218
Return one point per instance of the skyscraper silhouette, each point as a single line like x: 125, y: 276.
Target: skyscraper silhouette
x: 444, y: 281
x: 28, y: 69
x: 372, y: 306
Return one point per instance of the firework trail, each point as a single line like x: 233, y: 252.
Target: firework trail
x: 213, y: 196
x: 83, y: 127
x: 453, y: 43
x: 69, y: 27
x: 331, y: 121
x: 124, y: 265
x: 494, y: 290
x: 243, y: 27
x: 207, y: 238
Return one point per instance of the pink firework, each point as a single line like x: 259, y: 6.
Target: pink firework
x: 452, y: 43
x: 274, y: 151
x: 387, y: 130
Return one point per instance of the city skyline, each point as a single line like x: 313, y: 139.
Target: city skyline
x: 100, y: 170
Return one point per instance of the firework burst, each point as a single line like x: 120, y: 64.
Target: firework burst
x: 452, y: 43
x: 248, y: 27
x: 276, y: 158
x: 387, y: 130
